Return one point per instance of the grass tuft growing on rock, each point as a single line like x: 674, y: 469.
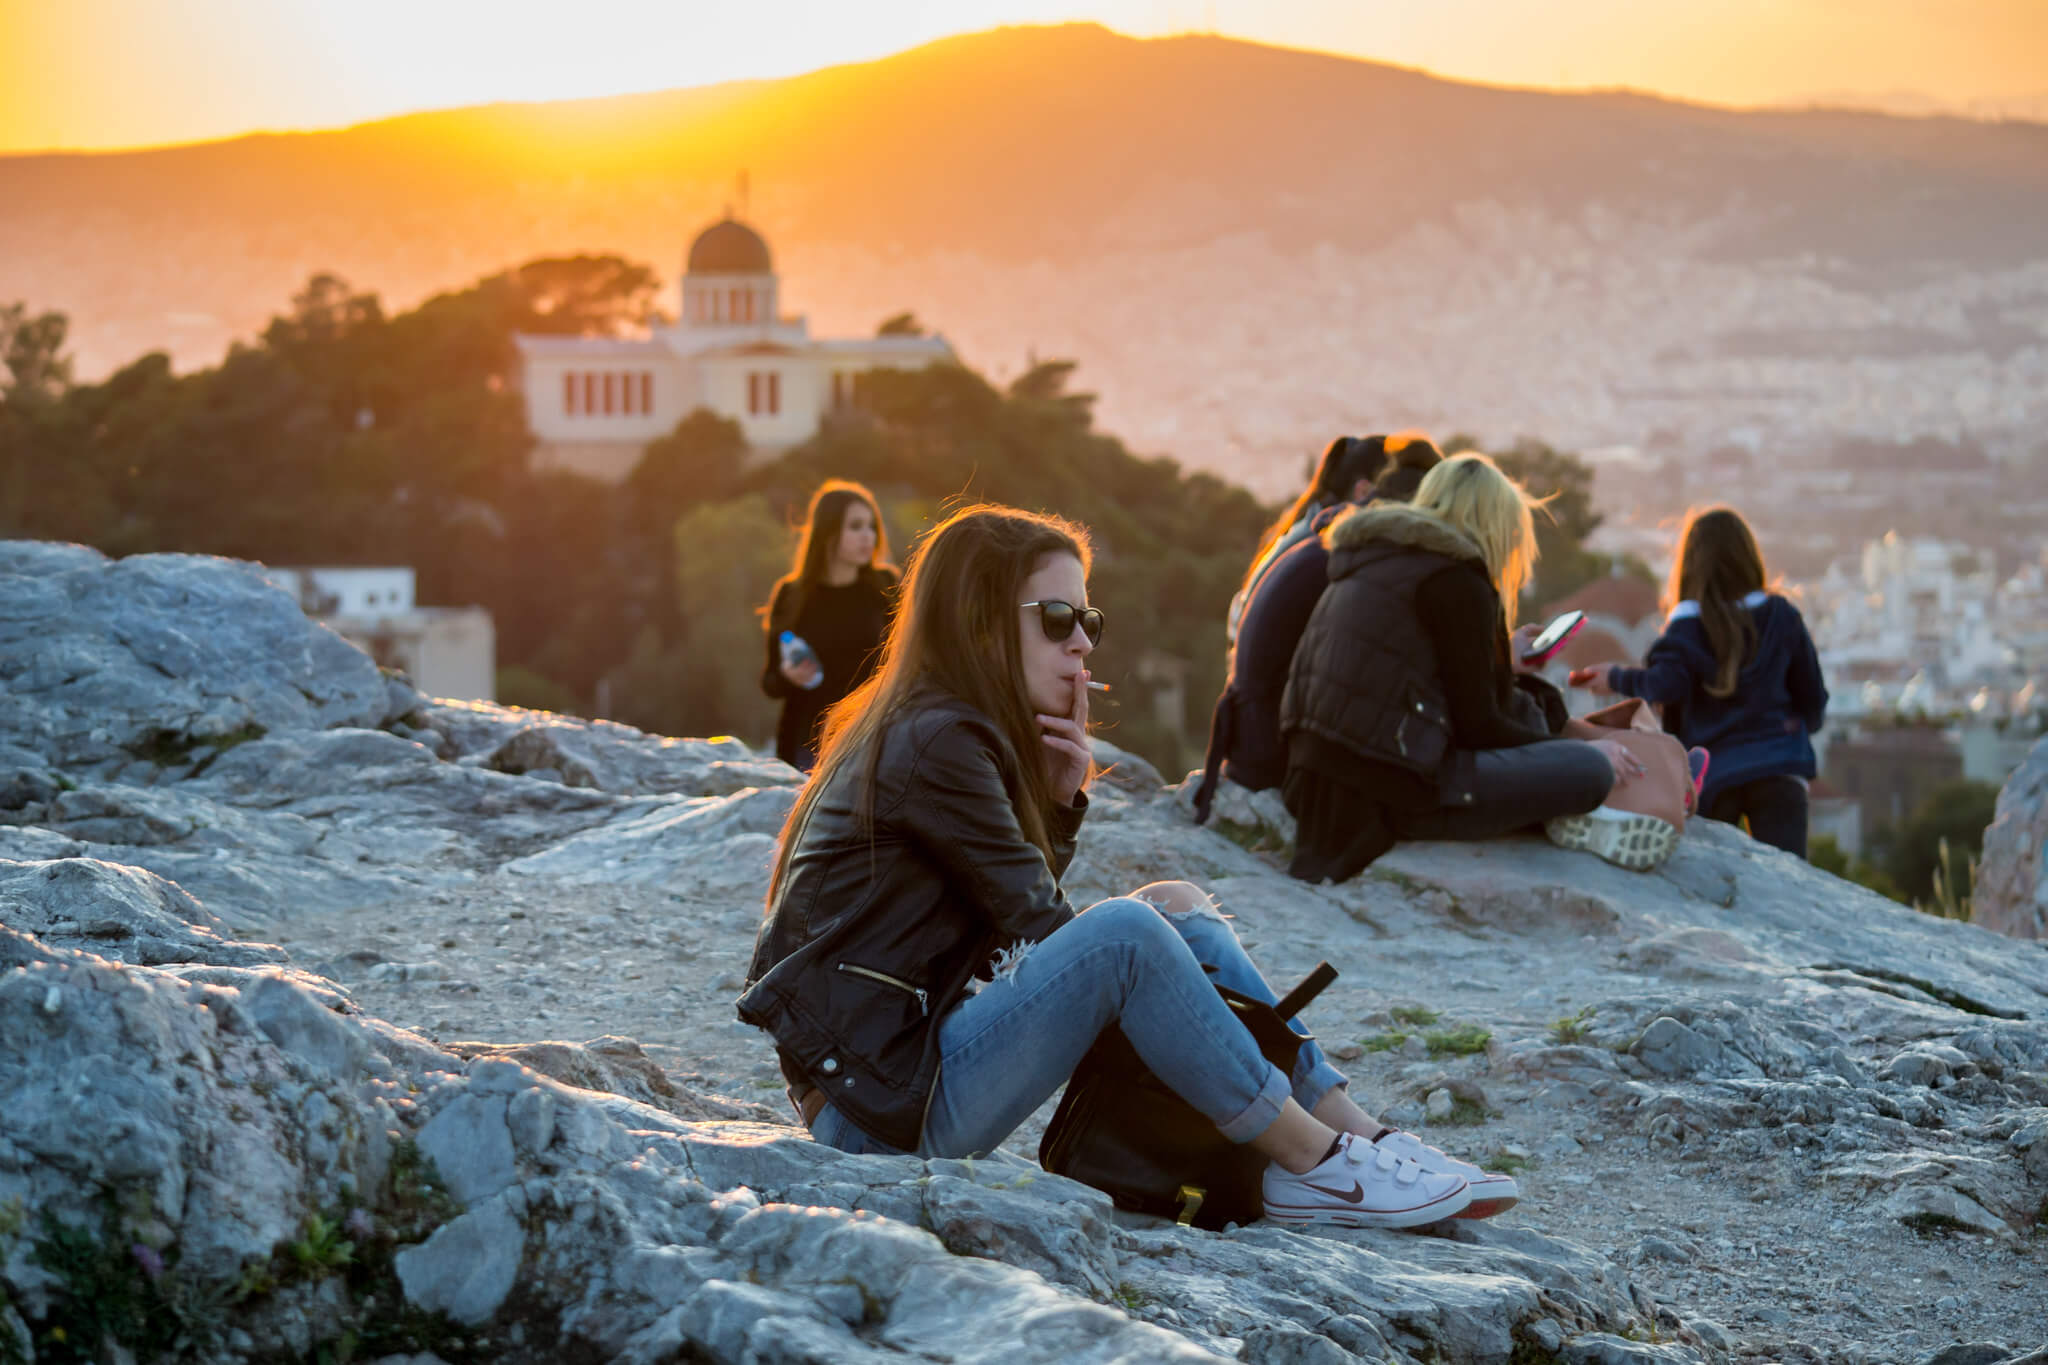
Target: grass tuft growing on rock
x: 1571, y: 1029
x: 1462, y: 1041
x: 1383, y: 1042
x: 1414, y: 1015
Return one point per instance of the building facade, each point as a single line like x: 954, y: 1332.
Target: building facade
x: 448, y: 652
x: 593, y: 403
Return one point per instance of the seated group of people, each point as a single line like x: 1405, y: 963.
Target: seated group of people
x: 925, y: 981
x: 1378, y: 680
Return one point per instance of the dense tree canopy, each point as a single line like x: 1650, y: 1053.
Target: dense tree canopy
x: 346, y: 435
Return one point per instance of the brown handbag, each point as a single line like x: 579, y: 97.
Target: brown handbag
x: 1665, y: 788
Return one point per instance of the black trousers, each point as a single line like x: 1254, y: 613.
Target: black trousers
x: 1775, y: 808
x: 1517, y: 788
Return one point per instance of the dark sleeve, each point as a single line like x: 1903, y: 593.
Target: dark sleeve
x: 1541, y: 702
x: 772, y: 681
x: 958, y: 811
x: 1669, y: 674
x: 1803, y: 681
x: 1461, y: 612
x: 1066, y: 833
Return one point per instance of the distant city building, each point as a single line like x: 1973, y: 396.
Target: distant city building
x: 1890, y: 771
x: 593, y: 403
x: 446, y: 651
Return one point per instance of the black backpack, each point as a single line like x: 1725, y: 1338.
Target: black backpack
x: 1119, y: 1129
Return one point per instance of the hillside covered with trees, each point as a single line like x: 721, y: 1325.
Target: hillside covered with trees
x: 344, y: 435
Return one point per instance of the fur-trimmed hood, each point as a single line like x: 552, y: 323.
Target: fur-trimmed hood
x: 1397, y: 525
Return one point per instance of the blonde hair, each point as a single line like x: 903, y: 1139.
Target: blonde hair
x: 1470, y: 493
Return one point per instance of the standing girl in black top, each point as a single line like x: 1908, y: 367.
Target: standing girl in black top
x: 1737, y: 675
x: 836, y: 598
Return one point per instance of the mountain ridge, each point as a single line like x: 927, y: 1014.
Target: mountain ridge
x: 1066, y: 190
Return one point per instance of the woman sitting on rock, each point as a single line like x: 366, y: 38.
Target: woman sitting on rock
x: 827, y: 615
x: 1736, y: 674
x: 1244, y: 729
x: 1343, y: 475
x: 1409, y: 713
x: 926, y: 853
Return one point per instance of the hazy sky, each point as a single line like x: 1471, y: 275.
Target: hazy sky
x: 109, y: 73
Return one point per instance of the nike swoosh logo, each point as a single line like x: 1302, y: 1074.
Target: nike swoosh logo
x: 1355, y: 1195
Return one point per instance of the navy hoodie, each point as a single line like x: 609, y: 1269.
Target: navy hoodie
x: 1765, y: 728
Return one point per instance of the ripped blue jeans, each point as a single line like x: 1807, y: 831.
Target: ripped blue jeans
x: 1006, y: 1049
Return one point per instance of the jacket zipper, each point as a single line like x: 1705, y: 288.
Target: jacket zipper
x: 924, y: 1006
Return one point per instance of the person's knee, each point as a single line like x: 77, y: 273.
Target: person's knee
x: 1127, y: 919
x: 1176, y: 898
x: 1592, y: 778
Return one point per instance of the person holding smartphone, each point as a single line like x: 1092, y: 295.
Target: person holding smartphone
x: 1737, y: 675
x: 1410, y: 711
x: 827, y: 615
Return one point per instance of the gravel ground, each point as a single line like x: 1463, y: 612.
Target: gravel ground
x: 1732, y: 1229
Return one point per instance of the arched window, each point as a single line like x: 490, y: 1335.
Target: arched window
x: 569, y: 394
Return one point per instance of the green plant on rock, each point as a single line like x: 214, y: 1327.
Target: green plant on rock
x: 1571, y: 1029
x: 112, y: 1290
x: 321, y: 1249
x: 1416, y: 1016
x: 1383, y: 1042
x: 1129, y: 1297
x: 1462, y: 1041
x: 1506, y: 1162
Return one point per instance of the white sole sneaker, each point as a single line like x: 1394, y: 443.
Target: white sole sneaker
x: 1361, y: 1186
x: 1492, y: 1191
x: 1636, y: 842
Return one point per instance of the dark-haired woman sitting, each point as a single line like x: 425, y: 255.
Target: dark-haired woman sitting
x: 926, y: 853
x: 1244, y: 730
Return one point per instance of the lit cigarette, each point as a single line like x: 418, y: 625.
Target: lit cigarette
x: 1094, y: 686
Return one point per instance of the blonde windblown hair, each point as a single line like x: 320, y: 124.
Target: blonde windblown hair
x: 1469, y: 492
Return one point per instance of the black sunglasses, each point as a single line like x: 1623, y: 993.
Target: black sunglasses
x: 1057, y: 620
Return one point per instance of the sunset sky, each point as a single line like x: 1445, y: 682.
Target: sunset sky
x: 115, y: 73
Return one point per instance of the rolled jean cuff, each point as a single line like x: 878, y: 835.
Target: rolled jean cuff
x: 1256, y: 1117
x: 1321, y: 1079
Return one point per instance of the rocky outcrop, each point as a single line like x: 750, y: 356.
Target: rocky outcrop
x: 1756, y: 1107
x: 2011, y: 894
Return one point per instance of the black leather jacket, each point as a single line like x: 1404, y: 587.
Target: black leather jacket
x: 872, y: 938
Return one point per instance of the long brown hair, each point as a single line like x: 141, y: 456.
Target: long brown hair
x: 822, y: 526
x: 1718, y: 564
x: 958, y: 628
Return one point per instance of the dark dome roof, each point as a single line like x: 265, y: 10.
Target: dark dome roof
x: 729, y: 247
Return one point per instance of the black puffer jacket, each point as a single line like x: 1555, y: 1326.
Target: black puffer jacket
x: 1368, y: 699
x: 872, y: 939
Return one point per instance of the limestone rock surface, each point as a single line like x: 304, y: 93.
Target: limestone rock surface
x: 2012, y: 874
x: 1757, y: 1113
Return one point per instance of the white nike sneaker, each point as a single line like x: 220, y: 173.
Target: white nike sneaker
x: 1363, y: 1186
x: 1636, y: 842
x: 1492, y: 1191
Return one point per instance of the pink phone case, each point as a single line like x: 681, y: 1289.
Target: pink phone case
x: 1550, y: 653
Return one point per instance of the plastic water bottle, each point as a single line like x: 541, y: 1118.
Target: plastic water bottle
x: 796, y: 653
